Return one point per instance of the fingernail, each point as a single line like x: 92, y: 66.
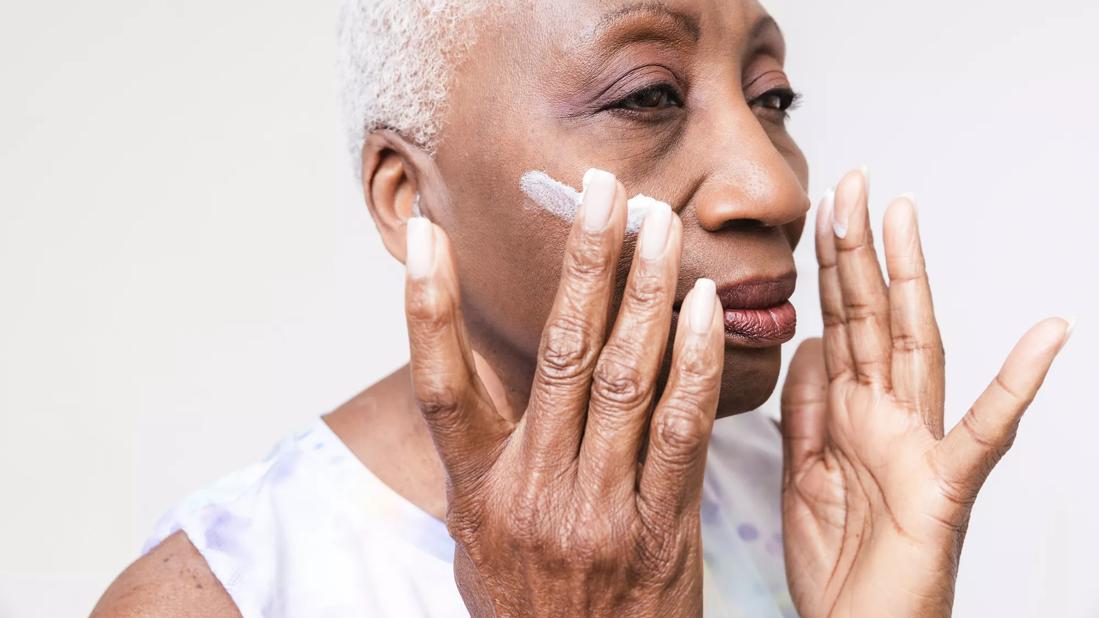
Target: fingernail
x: 911, y: 197
x: 420, y: 247
x: 1068, y: 331
x: 841, y: 211
x: 839, y: 217
x: 865, y: 169
x: 827, y: 203
x: 654, y: 231
x: 703, y: 303
x: 599, y: 188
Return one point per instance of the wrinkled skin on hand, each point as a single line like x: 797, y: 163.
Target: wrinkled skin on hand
x: 587, y: 505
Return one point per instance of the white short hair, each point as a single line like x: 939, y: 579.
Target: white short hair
x: 396, y: 63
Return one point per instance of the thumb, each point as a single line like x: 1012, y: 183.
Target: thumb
x: 804, y: 406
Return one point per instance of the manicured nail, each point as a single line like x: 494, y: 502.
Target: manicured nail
x: 703, y: 304
x: 911, y: 197
x: 839, y: 218
x: 865, y: 169
x: 827, y: 203
x: 599, y: 188
x: 1068, y: 331
x: 420, y: 247
x: 654, y: 231
x: 841, y: 212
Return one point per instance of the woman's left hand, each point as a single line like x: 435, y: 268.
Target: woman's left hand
x: 876, y: 500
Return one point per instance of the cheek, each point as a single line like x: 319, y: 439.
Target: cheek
x: 509, y: 256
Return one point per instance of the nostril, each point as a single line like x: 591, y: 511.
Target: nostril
x: 745, y: 224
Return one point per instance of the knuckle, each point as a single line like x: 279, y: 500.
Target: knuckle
x: 656, y: 557
x: 856, y: 311
x: 645, y: 290
x: 1016, y: 397
x: 427, y: 308
x: 832, y: 318
x: 619, y: 383
x: 696, y: 373
x: 438, y: 400
x: 587, y: 261
x: 910, y: 344
x: 993, y: 446
x: 682, y: 431
x: 464, y: 528
x: 566, y: 350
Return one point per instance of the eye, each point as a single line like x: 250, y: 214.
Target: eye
x: 653, y: 98
x: 779, y: 100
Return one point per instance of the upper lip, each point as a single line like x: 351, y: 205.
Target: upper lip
x: 757, y: 293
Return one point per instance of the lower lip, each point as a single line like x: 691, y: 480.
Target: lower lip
x: 761, y: 328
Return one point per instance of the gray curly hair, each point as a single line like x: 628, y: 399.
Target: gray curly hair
x: 395, y: 66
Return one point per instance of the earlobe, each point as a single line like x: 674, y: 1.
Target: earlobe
x: 396, y: 174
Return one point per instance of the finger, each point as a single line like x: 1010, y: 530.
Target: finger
x: 804, y: 407
x: 625, y: 374
x: 464, y: 426
x: 865, y: 301
x: 918, y: 363
x: 671, y: 478
x: 837, y: 353
x: 968, y: 453
x: 575, y: 329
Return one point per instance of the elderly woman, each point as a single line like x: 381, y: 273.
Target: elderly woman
x: 571, y: 346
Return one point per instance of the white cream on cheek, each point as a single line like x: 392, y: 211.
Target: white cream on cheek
x: 563, y: 201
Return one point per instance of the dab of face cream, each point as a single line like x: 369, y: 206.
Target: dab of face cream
x: 563, y: 201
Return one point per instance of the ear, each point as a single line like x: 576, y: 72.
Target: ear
x: 400, y: 181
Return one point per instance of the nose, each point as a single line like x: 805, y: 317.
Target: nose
x: 750, y: 181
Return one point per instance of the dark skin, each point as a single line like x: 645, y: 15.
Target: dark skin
x: 682, y: 101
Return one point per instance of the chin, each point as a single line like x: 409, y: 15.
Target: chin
x: 749, y: 379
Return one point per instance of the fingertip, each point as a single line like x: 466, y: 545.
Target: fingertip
x: 900, y: 220
x: 852, y: 187
x: 824, y: 212
x: 1068, y: 325
x: 420, y: 241
x: 808, y: 356
x: 850, y: 199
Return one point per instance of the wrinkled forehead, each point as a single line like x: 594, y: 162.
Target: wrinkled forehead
x: 550, y: 41
x: 549, y: 27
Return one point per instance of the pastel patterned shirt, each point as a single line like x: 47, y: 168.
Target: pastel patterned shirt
x: 310, y: 532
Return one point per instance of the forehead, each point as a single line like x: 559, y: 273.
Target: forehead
x: 543, y: 40
x: 569, y: 23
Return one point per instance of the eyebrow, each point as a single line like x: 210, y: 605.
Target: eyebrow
x: 763, y: 27
x: 689, y: 23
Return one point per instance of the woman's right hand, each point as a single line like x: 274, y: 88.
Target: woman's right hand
x: 588, y: 505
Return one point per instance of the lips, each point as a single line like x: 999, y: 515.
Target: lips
x: 758, y: 313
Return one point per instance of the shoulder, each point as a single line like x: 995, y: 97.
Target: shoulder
x: 172, y: 579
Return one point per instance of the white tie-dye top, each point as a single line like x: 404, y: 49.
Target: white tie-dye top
x: 311, y: 532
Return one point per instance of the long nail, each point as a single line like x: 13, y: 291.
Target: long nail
x: 841, y: 213
x: 654, y: 231
x: 1068, y: 331
x: 703, y: 304
x: 827, y: 204
x: 420, y: 243
x: 599, y: 188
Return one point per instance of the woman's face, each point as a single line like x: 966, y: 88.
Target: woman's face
x: 684, y: 100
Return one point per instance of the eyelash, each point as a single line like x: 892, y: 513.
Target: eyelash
x: 669, y: 91
x: 785, y: 98
x: 782, y: 100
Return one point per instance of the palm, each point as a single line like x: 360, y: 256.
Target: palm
x: 876, y: 499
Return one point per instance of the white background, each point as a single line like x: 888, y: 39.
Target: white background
x: 186, y: 274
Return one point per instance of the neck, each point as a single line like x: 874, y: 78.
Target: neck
x: 383, y: 428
